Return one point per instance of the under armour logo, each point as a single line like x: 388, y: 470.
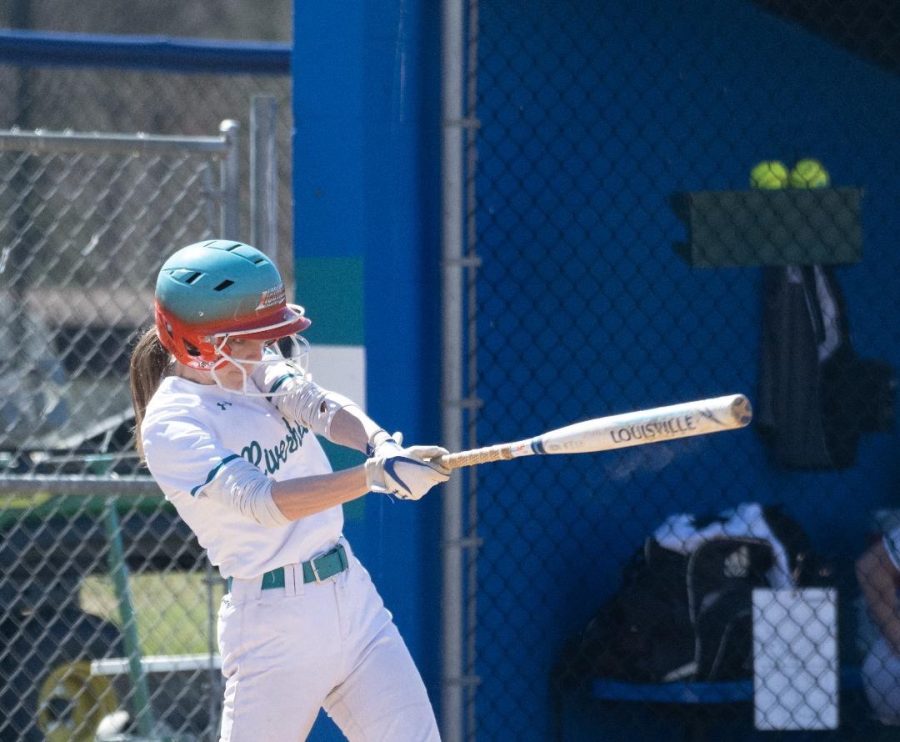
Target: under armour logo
x: 223, y: 405
x: 737, y: 563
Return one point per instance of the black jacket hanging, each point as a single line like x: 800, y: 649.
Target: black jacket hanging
x: 815, y: 395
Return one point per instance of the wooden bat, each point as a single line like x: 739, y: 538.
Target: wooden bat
x: 637, y: 428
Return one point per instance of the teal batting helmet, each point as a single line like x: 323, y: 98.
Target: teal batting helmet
x: 211, y: 289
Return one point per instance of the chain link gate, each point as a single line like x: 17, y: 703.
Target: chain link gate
x: 147, y: 92
x: 620, y: 256
x: 108, y: 601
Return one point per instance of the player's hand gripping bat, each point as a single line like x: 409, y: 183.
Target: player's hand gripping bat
x: 638, y: 428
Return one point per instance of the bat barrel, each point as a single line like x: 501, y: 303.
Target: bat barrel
x: 654, y: 425
x: 638, y: 428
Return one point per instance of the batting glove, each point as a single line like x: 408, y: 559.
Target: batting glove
x: 408, y: 474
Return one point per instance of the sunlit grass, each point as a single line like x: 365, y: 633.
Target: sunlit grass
x: 174, y: 612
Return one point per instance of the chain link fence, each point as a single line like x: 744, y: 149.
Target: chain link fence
x: 156, y: 102
x: 108, y: 619
x: 631, y: 254
x: 107, y: 610
x: 108, y: 600
x: 84, y: 223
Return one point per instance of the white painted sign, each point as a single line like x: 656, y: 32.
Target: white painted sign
x: 340, y: 368
x: 795, y: 659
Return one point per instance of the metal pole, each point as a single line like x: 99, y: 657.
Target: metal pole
x: 118, y: 569
x: 214, y: 696
x: 41, y: 140
x: 264, y: 175
x: 231, y: 184
x: 86, y: 485
x: 452, y: 24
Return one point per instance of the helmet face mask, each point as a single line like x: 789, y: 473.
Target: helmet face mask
x: 290, y: 351
x: 213, y: 290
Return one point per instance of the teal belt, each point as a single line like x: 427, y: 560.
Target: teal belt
x: 315, y: 570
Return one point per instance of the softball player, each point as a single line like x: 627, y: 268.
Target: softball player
x: 227, y: 420
x: 878, y: 573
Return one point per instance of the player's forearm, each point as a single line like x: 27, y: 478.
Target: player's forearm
x: 876, y: 574
x: 887, y: 618
x: 298, y: 498
x: 324, y: 412
x: 352, y: 428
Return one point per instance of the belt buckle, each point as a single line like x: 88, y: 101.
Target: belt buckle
x: 315, y: 571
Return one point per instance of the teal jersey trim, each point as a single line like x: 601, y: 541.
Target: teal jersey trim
x: 212, y: 474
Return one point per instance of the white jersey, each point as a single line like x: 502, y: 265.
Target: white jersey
x: 192, y: 431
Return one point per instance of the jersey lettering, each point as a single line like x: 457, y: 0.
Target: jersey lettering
x: 270, y: 460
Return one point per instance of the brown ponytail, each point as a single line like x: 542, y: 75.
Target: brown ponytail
x: 150, y: 363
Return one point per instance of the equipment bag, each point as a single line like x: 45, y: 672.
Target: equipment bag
x: 684, y: 607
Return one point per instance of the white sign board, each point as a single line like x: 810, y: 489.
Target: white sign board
x: 795, y: 659
x: 340, y: 368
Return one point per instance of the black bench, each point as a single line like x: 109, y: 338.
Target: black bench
x: 710, y: 696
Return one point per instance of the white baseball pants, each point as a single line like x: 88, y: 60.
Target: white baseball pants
x: 287, y: 652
